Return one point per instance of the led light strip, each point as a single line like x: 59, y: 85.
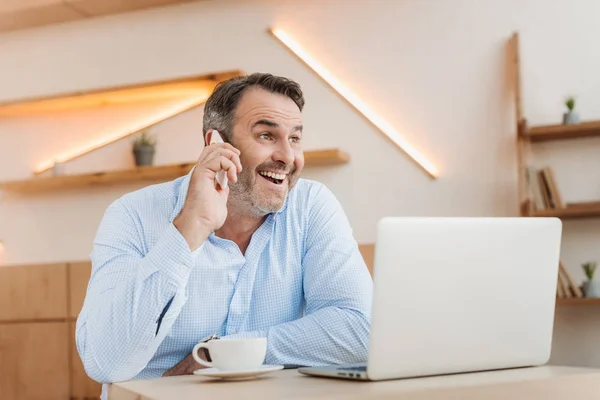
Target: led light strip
x: 356, y: 102
x: 159, y: 117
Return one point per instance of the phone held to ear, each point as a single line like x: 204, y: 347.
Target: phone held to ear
x: 221, y: 177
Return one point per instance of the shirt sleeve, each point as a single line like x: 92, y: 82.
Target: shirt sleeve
x: 338, y: 294
x: 132, y: 298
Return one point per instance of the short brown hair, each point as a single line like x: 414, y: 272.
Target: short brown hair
x: 220, y: 106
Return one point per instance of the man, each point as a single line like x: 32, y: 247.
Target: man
x: 270, y: 255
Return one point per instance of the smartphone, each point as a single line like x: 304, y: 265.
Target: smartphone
x: 221, y: 177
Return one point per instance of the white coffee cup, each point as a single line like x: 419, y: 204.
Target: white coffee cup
x: 233, y: 354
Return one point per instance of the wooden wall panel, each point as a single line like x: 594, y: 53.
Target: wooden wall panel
x: 79, y: 276
x: 33, y: 292
x: 34, y: 361
x: 82, y: 387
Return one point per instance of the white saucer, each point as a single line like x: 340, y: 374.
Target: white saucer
x: 239, y: 374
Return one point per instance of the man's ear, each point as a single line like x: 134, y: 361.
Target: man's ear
x: 208, y: 136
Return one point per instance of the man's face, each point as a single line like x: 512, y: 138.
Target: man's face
x: 268, y: 131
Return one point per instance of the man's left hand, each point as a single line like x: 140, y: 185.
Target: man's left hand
x: 185, y: 367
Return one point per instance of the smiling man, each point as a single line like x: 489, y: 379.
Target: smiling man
x: 270, y: 255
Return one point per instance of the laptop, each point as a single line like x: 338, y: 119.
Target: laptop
x: 454, y: 295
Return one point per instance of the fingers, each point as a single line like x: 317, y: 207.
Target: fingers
x: 186, y: 366
x: 232, y: 172
x: 229, y: 167
x: 231, y: 153
x: 226, y: 146
x: 217, y: 162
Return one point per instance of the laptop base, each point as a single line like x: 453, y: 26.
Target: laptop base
x: 347, y: 371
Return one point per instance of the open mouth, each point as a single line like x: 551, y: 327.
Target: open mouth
x: 273, y: 177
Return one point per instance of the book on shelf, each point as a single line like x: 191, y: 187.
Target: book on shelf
x: 543, y: 190
x: 566, y: 287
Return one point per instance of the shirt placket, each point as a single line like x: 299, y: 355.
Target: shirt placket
x: 239, y: 306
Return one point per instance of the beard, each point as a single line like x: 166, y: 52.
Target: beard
x: 257, y: 199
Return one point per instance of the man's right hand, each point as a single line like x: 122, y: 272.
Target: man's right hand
x: 205, y: 208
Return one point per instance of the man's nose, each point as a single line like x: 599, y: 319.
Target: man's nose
x: 284, y: 153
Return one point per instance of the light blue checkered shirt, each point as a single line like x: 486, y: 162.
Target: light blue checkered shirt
x: 302, y: 284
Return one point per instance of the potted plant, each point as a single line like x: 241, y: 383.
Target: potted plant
x: 591, y: 287
x: 144, y: 149
x: 570, y: 117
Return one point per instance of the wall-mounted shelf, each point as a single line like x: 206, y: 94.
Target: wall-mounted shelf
x: 189, y: 87
x: 571, y: 211
x: 578, y: 302
x: 546, y: 133
x: 313, y: 158
x: 538, y: 193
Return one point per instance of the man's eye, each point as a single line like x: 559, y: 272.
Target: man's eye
x: 295, y: 139
x: 266, y: 136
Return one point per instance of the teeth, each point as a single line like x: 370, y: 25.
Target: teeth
x: 273, y: 175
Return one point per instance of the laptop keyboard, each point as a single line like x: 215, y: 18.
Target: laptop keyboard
x: 360, y: 368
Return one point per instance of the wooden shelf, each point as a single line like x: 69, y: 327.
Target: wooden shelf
x: 571, y: 211
x: 578, y: 302
x: 189, y: 87
x: 313, y: 158
x: 325, y: 157
x: 137, y: 174
x: 562, y: 132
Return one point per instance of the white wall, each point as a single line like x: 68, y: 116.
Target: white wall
x: 437, y: 70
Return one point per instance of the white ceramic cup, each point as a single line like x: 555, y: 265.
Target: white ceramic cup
x: 233, y: 354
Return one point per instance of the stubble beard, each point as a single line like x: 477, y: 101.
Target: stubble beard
x: 246, y: 196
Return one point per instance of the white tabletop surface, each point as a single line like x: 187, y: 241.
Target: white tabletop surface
x: 547, y: 382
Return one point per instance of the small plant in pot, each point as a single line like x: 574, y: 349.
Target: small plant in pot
x: 591, y: 287
x: 144, y: 148
x: 570, y: 117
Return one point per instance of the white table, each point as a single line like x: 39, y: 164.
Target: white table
x: 547, y: 382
